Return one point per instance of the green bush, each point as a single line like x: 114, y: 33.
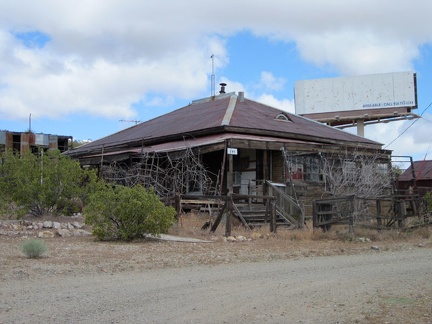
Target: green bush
x: 34, y: 248
x: 127, y: 213
x: 44, y: 183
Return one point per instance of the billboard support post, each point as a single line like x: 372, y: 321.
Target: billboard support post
x: 360, y: 127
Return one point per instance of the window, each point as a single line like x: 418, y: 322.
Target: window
x: 237, y: 178
x: 313, y: 170
x: 349, y: 170
x: 382, y: 169
x: 283, y: 117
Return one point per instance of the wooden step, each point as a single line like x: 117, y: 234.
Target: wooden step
x: 258, y: 217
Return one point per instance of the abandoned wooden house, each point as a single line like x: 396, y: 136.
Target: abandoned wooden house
x: 230, y: 145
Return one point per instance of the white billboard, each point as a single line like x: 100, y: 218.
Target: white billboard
x: 375, y: 91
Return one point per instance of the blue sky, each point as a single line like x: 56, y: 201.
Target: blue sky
x: 80, y: 67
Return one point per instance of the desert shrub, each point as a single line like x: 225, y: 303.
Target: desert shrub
x: 43, y: 183
x: 424, y: 233
x: 34, y: 248
x: 127, y: 213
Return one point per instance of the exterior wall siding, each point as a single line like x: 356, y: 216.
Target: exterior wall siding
x: 277, y: 167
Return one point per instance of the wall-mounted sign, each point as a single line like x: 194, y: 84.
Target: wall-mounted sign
x: 232, y: 151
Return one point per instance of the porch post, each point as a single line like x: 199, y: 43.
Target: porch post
x: 379, y: 219
x: 228, y: 217
x: 230, y: 171
x: 265, y: 171
x: 222, y: 174
x: 273, y: 227
x: 230, y: 192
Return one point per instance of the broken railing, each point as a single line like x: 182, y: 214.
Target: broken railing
x: 229, y: 206
x: 378, y: 213
x: 287, y: 206
x: 328, y: 212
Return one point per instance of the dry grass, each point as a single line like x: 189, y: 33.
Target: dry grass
x: 190, y: 225
x: 259, y: 245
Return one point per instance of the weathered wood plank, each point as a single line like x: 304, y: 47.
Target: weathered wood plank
x: 200, y: 202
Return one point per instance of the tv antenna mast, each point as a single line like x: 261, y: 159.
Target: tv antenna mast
x: 130, y: 121
x: 213, y: 91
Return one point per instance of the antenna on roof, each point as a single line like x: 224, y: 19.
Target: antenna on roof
x: 130, y: 121
x: 213, y: 91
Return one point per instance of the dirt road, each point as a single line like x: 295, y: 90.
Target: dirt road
x: 375, y: 287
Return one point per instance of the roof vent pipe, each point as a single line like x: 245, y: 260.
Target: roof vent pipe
x: 241, y: 96
x: 222, y: 90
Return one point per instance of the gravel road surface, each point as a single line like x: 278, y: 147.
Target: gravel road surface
x: 375, y: 287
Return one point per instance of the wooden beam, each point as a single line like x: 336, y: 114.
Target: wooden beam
x: 273, y: 227
x: 219, y: 218
x: 223, y: 167
x: 228, y: 218
x: 241, y: 216
x: 230, y: 172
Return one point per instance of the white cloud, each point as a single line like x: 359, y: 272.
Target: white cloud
x: 284, y: 104
x: 47, y: 85
x: 415, y: 138
x: 103, y: 56
x: 267, y: 99
x: 354, y: 52
x: 406, y: 138
x: 270, y: 82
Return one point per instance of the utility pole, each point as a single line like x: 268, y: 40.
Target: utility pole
x: 213, y: 91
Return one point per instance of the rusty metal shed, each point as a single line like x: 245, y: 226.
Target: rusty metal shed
x: 28, y: 141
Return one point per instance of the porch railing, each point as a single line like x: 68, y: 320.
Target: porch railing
x: 286, y: 206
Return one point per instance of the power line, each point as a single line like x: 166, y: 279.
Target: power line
x: 415, y: 121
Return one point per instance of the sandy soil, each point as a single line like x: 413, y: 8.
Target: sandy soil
x: 269, y: 279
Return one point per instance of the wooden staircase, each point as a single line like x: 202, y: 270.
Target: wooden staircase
x: 277, y: 208
x: 257, y: 215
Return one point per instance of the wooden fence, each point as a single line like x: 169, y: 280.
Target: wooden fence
x: 379, y: 213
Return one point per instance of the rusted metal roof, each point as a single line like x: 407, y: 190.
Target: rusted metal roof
x: 422, y: 171
x: 254, y: 115
x: 218, y: 115
x: 197, y: 142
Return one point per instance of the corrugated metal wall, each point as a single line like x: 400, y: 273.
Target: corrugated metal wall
x: 25, y: 142
x: 41, y: 139
x: 3, y: 137
x: 9, y: 141
x: 52, y: 141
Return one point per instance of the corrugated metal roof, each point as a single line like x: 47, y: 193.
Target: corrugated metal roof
x: 221, y: 114
x: 196, y: 142
x: 251, y: 114
x: 422, y: 170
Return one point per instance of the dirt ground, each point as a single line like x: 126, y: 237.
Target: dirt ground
x: 79, y: 261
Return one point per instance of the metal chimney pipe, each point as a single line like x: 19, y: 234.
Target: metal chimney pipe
x: 222, y: 90
x: 241, y: 96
